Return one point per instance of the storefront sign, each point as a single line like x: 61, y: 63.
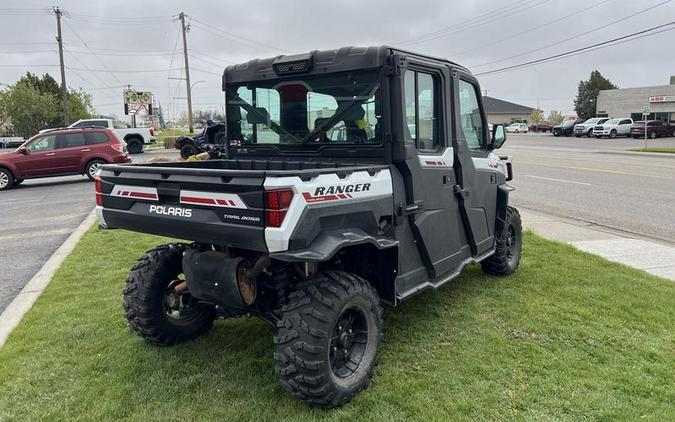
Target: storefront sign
x: 662, y: 99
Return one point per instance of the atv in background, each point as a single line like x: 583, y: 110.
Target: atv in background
x: 213, y: 134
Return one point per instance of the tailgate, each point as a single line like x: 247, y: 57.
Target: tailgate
x: 210, y: 206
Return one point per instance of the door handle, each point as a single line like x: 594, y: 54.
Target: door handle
x: 85, y: 150
x: 50, y: 154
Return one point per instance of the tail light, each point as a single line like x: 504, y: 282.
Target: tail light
x: 276, y: 206
x: 99, y: 190
x: 119, y: 147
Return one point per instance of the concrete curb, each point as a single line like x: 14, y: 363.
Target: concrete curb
x: 22, y: 303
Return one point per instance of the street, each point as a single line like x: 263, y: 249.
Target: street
x: 596, y: 181
x: 36, y: 218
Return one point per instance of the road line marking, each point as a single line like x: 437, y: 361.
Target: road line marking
x: 593, y: 169
x: 560, y: 180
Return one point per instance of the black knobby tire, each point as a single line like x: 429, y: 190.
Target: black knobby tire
x: 147, y: 290
x: 315, y: 322
x: 509, y: 246
x: 135, y: 145
x: 188, y: 150
x: 6, y: 179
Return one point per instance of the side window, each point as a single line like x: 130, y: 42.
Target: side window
x: 421, y: 114
x: 70, y: 140
x: 82, y: 124
x: 625, y: 122
x: 268, y: 99
x: 45, y: 143
x: 94, y: 138
x: 471, y: 120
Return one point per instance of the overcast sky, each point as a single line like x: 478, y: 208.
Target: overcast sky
x: 481, y: 34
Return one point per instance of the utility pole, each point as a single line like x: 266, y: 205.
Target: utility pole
x: 64, y: 87
x: 187, y: 70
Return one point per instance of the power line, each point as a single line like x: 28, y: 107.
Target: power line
x: 222, y: 33
x: 554, y: 21
x: 639, y: 12
x: 92, y: 52
x: 484, y: 19
x: 614, y: 41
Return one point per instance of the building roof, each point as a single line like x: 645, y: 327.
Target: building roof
x: 497, y: 106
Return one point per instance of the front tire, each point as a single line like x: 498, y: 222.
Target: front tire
x: 328, y: 338
x: 652, y: 135
x: 188, y: 150
x: 6, y: 179
x: 154, y: 309
x: 506, y: 259
x: 612, y: 134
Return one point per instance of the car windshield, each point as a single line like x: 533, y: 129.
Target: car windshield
x: 612, y: 122
x: 327, y: 110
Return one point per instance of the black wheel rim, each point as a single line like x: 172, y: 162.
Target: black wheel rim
x: 348, y: 342
x: 178, y: 307
x: 511, y: 243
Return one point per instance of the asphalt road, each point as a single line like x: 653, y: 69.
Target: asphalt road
x: 35, y: 218
x: 596, y: 181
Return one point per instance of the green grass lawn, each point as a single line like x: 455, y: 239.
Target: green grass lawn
x: 664, y: 150
x: 569, y: 337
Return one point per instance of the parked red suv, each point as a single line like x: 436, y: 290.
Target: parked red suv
x: 656, y: 129
x: 62, y: 152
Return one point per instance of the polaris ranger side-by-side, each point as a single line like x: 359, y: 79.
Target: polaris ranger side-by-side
x: 350, y: 178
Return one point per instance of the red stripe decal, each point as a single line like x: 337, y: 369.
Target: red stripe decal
x: 232, y: 203
x: 142, y: 195
x: 196, y: 200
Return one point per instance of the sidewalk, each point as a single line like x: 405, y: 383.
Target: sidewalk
x: 650, y: 256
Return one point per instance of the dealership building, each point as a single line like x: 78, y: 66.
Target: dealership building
x: 630, y: 102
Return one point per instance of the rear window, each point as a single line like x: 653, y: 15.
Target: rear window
x: 93, y: 138
x: 70, y: 140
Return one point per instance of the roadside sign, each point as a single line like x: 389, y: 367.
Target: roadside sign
x: 137, y: 102
x: 645, y: 111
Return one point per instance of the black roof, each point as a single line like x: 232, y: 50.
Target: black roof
x: 497, y: 106
x: 336, y: 60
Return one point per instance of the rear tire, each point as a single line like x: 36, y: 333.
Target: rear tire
x: 6, y: 179
x: 134, y: 145
x: 153, y: 308
x: 328, y: 338
x: 506, y: 259
x: 91, y: 168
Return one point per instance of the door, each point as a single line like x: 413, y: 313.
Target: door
x: 434, y: 214
x: 477, y: 176
x: 70, y: 147
x: 624, y: 126
x: 40, y: 159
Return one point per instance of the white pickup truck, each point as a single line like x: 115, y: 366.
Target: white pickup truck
x: 613, y: 128
x: 135, y: 137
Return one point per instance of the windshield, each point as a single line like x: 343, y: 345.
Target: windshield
x: 327, y: 110
x: 612, y: 122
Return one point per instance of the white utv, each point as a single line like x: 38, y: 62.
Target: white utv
x: 312, y: 232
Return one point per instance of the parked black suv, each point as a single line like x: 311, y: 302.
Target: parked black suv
x: 566, y: 128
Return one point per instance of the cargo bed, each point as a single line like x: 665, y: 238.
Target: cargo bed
x: 219, y: 202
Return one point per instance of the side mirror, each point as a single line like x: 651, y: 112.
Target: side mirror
x: 498, y: 136
x: 23, y: 150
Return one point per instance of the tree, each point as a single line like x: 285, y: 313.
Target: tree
x: 28, y: 110
x: 585, y: 102
x: 537, y: 115
x: 555, y: 117
x: 34, y: 103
